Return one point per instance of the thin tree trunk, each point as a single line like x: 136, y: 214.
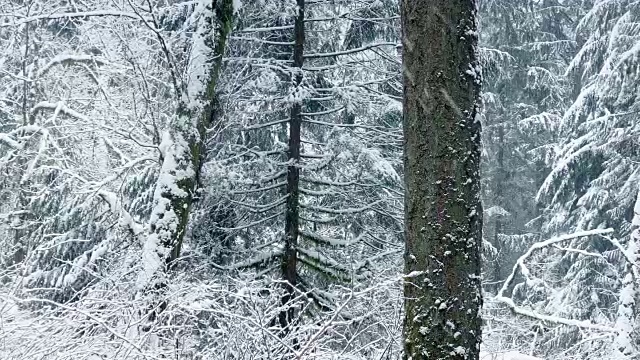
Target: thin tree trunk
x: 443, y: 213
x: 499, y: 200
x: 290, y: 258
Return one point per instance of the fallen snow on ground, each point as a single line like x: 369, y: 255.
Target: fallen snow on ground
x: 509, y: 355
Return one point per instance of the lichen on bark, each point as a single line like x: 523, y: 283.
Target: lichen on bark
x: 443, y: 214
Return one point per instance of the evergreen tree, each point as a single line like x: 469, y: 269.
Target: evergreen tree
x: 327, y: 173
x: 593, y: 181
x: 526, y: 48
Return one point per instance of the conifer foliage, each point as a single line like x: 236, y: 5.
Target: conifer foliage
x: 224, y: 179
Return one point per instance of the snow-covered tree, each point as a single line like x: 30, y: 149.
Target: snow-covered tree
x: 593, y: 181
x: 311, y: 171
x: 78, y: 121
x: 218, y: 179
x: 526, y: 48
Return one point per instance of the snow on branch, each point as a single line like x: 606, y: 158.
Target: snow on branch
x: 261, y: 258
x: 9, y: 138
x: 509, y: 355
x: 520, y: 265
x: 560, y: 168
x: 331, y: 241
x: 82, y: 14
x: 585, y: 324
x: 540, y: 245
x: 6, y: 139
x: 350, y: 51
x: 70, y: 59
x: 327, y: 265
x: 58, y: 107
x: 327, y: 210
x: 96, y: 319
x: 126, y: 219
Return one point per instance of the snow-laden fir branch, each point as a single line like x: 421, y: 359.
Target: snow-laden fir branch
x: 522, y: 267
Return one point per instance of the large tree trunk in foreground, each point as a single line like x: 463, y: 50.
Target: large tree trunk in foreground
x: 442, y: 154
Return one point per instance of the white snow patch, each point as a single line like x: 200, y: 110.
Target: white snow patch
x: 509, y: 355
x: 237, y: 5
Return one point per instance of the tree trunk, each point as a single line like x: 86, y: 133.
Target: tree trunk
x: 182, y: 145
x: 291, y: 232
x: 443, y: 213
x: 499, y: 200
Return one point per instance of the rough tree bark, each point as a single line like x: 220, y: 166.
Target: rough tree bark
x: 443, y: 213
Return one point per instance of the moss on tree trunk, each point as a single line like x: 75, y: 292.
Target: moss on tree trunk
x: 442, y: 154
x: 180, y: 170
